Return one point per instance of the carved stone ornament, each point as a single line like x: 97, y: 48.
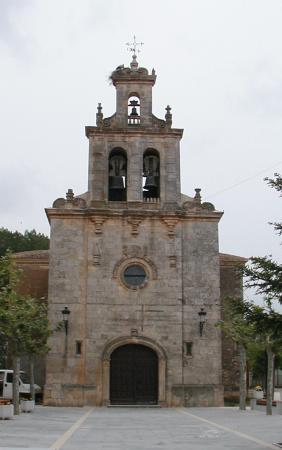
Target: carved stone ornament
x: 171, y: 223
x: 98, y: 224
x: 134, y: 251
x: 106, y: 123
x: 196, y: 204
x: 208, y: 206
x: 134, y: 222
x: 191, y: 205
x: 70, y: 202
x: 96, y: 254
x: 79, y: 203
x: 172, y: 260
x: 59, y: 203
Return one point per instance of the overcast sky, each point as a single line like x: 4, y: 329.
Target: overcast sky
x: 218, y: 65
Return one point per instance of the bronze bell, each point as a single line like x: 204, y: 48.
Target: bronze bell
x: 116, y: 182
x: 134, y: 112
x: 151, y: 182
x: 133, y: 104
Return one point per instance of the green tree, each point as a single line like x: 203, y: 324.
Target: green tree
x: 267, y: 328
x: 246, y: 323
x: 23, y: 321
x: 257, y: 361
x: 263, y: 273
x: 276, y: 183
x: 235, y: 325
x: 37, y: 336
x: 18, y: 242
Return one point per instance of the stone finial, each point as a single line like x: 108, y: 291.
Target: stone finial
x: 134, y: 63
x: 153, y: 72
x: 197, y: 197
x: 168, y: 116
x: 99, y: 116
x: 70, y: 195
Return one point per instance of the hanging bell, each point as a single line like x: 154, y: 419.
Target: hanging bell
x: 134, y: 112
x: 116, y: 183
x: 151, y: 182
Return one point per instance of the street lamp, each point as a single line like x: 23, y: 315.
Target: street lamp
x: 202, y: 317
x: 66, y: 312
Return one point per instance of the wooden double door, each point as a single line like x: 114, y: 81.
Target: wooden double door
x: 133, y: 375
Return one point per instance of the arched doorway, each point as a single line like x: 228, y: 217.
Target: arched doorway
x: 133, y: 375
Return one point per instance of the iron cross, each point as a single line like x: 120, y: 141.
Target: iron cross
x: 131, y: 46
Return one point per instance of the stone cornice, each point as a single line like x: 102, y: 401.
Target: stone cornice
x: 41, y: 258
x: 107, y: 213
x: 131, y: 131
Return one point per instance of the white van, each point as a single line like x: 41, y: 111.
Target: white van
x: 6, y: 384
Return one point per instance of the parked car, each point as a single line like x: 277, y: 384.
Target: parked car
x: 6, y: 384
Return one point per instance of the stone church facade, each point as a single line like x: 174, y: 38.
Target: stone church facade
x: 137, y: 265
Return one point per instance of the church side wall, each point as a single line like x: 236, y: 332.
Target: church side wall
x: 231, y: 285
x: 67, y: 273
x: 202, y: 368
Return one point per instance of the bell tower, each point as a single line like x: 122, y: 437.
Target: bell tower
x: 133, y: 155
x: 134, y: 260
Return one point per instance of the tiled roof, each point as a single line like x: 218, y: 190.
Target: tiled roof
x: 40, y: 255
x: 226, y: 259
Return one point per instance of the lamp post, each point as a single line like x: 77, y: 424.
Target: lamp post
x: 65, y: 313
x: 202, y: 317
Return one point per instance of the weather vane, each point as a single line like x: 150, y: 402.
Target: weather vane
x: 132, y: 46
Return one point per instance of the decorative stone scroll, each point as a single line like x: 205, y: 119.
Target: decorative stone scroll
x: 172, y: 260
x: 134, y: 222
x: 98, y: 224
x: 96, y: 254
x: 196, y: 203
x: 70, y: 201
x: 134, y: 251
x: 171, y: 223
x: 208, y: 206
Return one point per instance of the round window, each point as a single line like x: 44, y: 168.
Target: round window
x: 134, y: 276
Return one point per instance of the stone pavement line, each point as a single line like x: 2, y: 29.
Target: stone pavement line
x: 229, y: 430
x: 67, y: 435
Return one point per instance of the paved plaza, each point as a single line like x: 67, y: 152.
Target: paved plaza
x: 141, y: 429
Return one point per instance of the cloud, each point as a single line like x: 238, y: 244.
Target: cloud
x: 11, y: 33
x: 264, y: 92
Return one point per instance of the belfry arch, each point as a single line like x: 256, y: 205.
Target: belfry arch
x: 117, y: 185
x: 138, y: 341
x: 151, y: 173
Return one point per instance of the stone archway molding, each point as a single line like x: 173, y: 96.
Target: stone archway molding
x: 137, y: 340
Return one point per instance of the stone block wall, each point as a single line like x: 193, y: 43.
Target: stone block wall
x: 86, y: 274
x: 230, y: 285
x: 124, y: 91
x: 109, y: 312
x: 135, y: 145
